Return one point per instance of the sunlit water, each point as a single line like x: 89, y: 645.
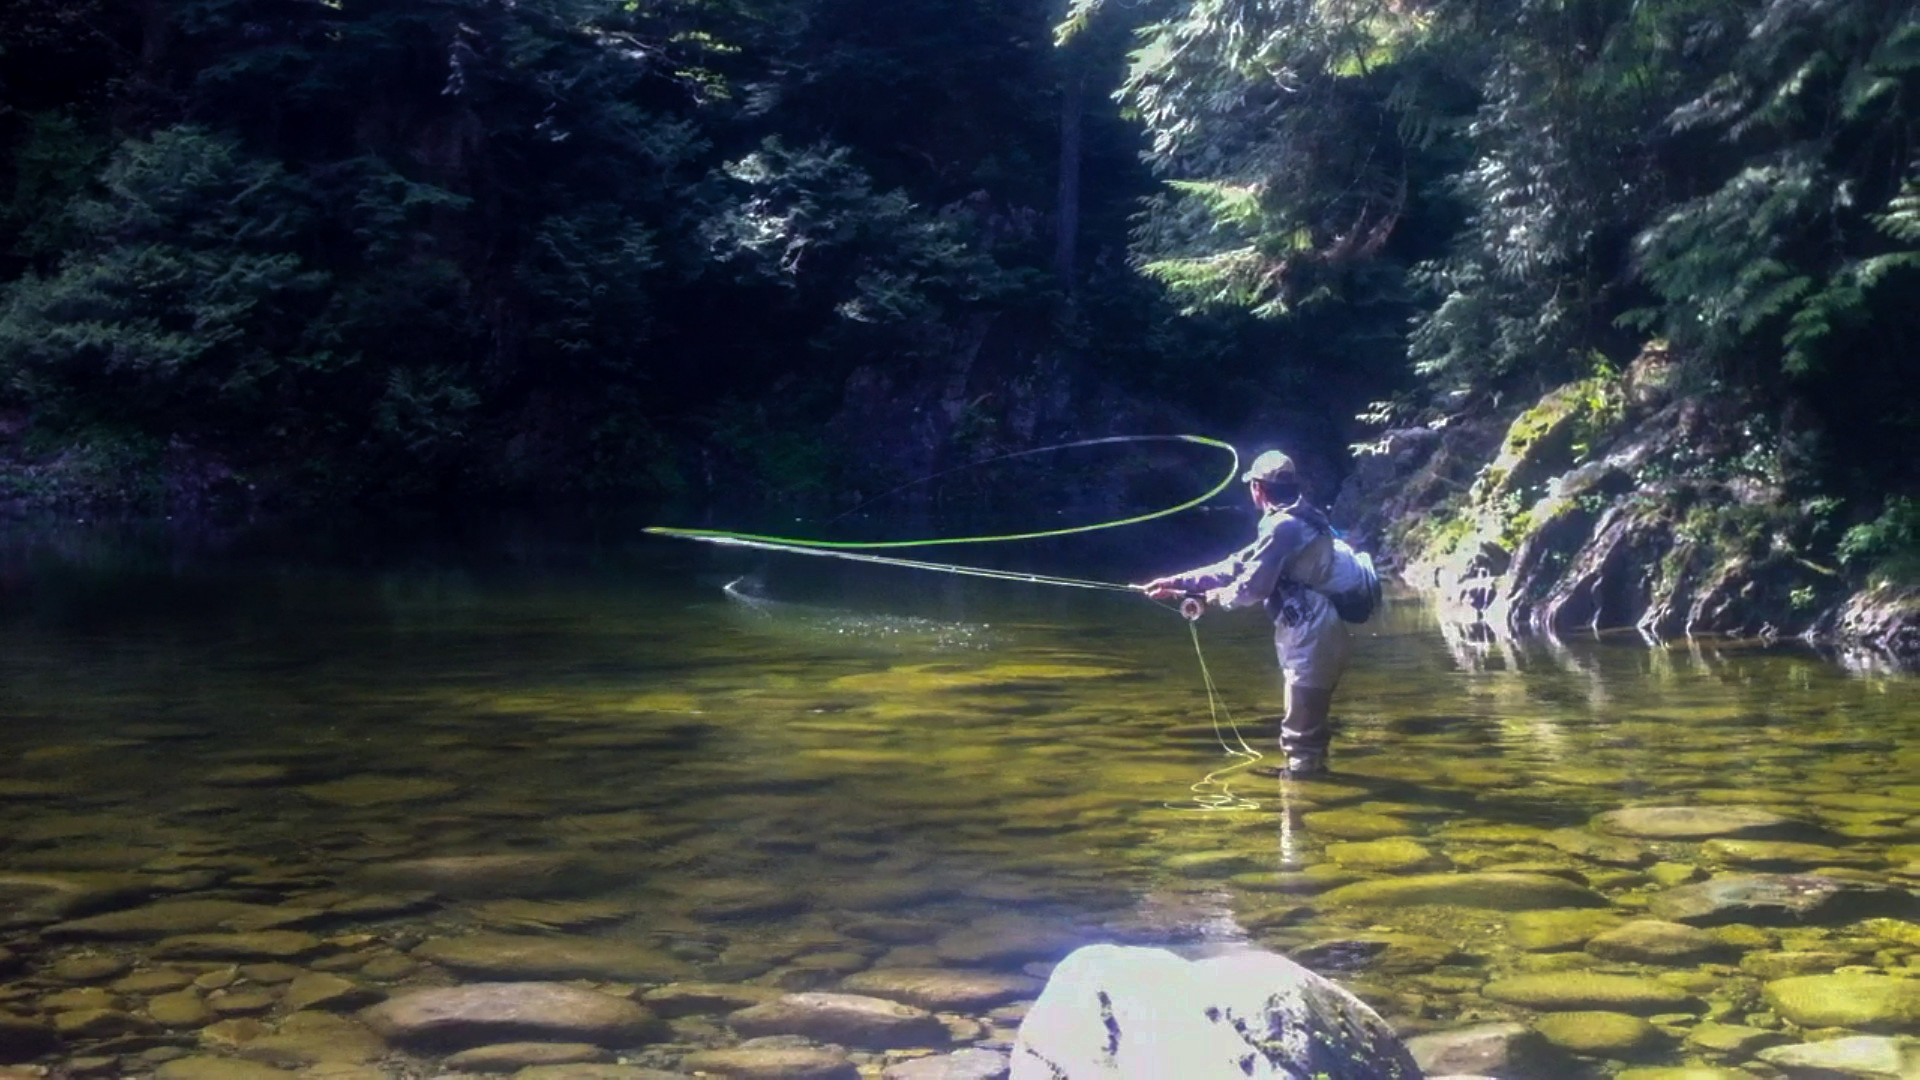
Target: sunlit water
x: 824, y: 770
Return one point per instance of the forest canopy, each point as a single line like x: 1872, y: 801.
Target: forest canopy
x: 366, y: 253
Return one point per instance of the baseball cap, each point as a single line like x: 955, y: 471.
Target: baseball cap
x: 1271, y: 465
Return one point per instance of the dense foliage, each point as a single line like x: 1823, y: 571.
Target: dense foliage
x: 384, y: 251
x: 402, y: 250
x: 1555, y: 185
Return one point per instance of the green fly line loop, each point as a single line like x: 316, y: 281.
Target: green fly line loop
x: 789, y: 542
x: 1211, y: 792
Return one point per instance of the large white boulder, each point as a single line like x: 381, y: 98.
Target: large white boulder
x: 1112, y: 1011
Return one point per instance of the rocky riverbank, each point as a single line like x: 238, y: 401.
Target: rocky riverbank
x: 1621, y: 502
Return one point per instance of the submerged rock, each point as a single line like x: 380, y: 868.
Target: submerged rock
x: 1504, y: 1049
x: 1493, y: 891
x: 38, y: 898
x: 1780, y: 900
x: 1581, y: 991
x: 970, y: 1064
x: 516, y: 875
x: 1383, y: 953
x: 217, y: 1068
x: 1355, y: 824
x: 1115, y: 1011
x: 526, y: 956
x: 695, y: 998
x: 1692, y: 822
x: 1848, y: 999
x: 749, y: 1062
x: 170, y: 917
x: 854, y: 1020
x: 1552, y: 931
x: 258, y: 945
x: 1598, y: 1034
x: 1786, y: 854
x: 461, y: 1017
x: 1601, y: 849
x: 1866, y: 1057
x: 1387, y: 856
x: 1651, y: 941
x: 507, y: 1057
x: 944, y: 990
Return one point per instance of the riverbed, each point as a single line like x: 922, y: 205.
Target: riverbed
x: 250, y: 799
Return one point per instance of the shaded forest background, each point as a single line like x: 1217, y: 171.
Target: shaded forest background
x: 308, y: 254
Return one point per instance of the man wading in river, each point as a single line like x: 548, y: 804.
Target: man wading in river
x: 1311, y: 583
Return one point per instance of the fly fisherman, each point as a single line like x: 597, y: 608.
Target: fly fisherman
x: 1311, y: 584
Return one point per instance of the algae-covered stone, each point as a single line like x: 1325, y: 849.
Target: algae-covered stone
x: 1651, y: 941
x: 1780, y: 900
x: 201, y: 1067
x: 1354, y: 825
x: 1686, y: 1072
x: 694, y: 998
x: 852, y: 1020
x: 1737, y: 1040
x: 1692, y: 822
x: 1670, y: 875
x: 1848, y: 1000
x: 1598, y: 1034
x: 1483, y: 833
x: 1781, y: 965
x: 1785, y: 854
x: 1491, y: 891
x: 1866, y: 1057
x: 527, y: 956
x: 507, y: 1057
x: 88, y: 968
x: 1610, y: 850
x: 258, y: 945
x: 1580, y: 991
x: 1380, y: 952
x: 1214, y: 863
x: 1502, y: 1049
x: 180, y: 1009
x: 461, y: 1017
x: 1551, y: 931
x: 319, y: 990
x: 1386, y: 856
x: 161, y: 919
x: 512, y: 875
x: 944, y: 990
x: 770, y: 1062
x: 973, y: 1063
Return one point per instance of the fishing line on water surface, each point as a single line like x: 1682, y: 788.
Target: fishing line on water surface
x: 1212, y: 792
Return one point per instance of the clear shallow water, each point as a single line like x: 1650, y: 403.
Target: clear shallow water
x: 856, y: 768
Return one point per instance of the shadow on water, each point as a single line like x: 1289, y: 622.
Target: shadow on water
x: 638, y: 766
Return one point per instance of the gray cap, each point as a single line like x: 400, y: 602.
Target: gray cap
x: 1271, y: 465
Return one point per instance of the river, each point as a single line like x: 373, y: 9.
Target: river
x: 677, y: 772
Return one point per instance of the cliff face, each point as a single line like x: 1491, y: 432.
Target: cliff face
x: 1619, y: 502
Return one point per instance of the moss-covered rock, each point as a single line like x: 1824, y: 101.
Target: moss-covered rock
x: 1859, y: 1001
x: 1598, y: 1034
x: 1581, y: 991
x: 1490, y: 891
